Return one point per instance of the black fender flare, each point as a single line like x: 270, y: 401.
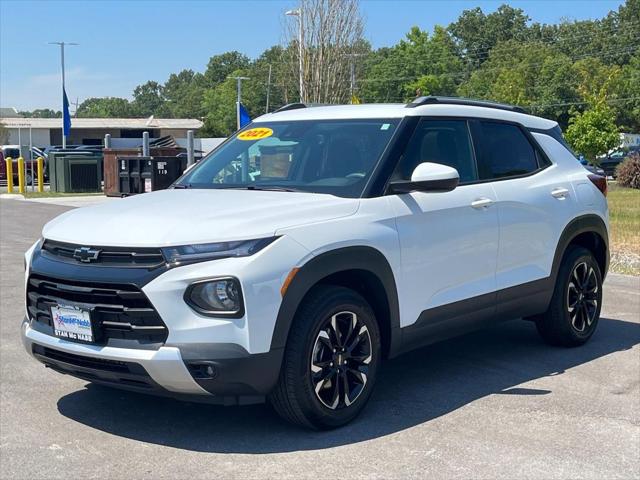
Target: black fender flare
x: 586, y: 223
x: 334, y: 261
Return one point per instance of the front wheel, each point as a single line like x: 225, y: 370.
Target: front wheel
x: 574, y: 311
x: 331, y: 360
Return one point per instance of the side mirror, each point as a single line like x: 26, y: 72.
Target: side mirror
x: 428, y: 177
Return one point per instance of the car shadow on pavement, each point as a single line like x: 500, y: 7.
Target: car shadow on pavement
x: 412, y: 389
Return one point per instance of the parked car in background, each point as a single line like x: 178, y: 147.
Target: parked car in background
x: 615, y: 158
x: 11, y: 151
x: 592, y: 168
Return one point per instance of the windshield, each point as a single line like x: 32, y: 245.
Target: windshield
x: 322, y: 156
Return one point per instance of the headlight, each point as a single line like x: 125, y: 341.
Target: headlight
x: 211, y: 251
x: 218, y: 296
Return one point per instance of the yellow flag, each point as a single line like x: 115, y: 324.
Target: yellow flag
x: 355, y: 100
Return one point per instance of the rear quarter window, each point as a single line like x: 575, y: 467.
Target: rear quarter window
x: 506, y: 152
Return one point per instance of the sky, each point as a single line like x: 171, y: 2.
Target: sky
x: 125, y: 43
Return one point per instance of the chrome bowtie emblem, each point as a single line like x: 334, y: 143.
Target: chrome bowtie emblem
x: 86, y: 254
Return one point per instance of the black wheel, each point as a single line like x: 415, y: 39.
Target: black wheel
x: 331, y: 360
x: 574, y: 311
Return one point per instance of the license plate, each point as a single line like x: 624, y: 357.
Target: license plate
x: 72, y: 322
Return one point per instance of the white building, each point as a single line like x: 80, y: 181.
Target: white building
x: 91, y: 131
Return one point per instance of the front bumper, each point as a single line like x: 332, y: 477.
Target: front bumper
x: 216, y: 374
x: 164, y: 366
x: 219, y: 360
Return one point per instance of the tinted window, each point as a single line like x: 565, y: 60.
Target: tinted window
x: 322, y: 156
x: 507, y: 152
x: 11, y: 152
x: 439, y: 141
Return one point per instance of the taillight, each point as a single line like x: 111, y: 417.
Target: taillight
x: 600, y: 182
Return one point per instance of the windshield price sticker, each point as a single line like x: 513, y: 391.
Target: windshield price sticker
x: 255, y: 134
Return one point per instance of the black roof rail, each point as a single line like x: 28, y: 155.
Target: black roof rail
x: 434, y: 100
x: 290, y: 106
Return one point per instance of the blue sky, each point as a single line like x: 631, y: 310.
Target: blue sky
x: 125, y: 43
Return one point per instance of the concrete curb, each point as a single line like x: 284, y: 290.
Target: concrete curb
x: 71, y: 201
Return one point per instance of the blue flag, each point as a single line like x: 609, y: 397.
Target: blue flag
x: 245, y: 119
x: 66, y: 118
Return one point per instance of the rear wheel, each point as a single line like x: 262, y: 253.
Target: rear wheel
x: 331, y: 360
x: 574, y: 311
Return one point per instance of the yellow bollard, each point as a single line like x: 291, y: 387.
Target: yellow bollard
x: 40, y: 174
x: 9, y: 172
x: 21, y: 175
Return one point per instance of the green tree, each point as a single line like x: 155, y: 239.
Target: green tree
x: 223, y: 65
x: 148, y: 99
x: 42, y: 113
x: 627, y: 93
x: 594, y: 131
x: 184, y: 93
x: 420, y: 63
x: 106, y: 107
x: 283, y: 87
x: 385, y: 74
x: 220, y: 107
x: 476, y: 33
x: 529, y: 74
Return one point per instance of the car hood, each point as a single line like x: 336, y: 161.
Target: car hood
x: 179, y: 217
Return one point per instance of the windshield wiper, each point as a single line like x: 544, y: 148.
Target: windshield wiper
x: 271, y: 188
x: 182, y: 186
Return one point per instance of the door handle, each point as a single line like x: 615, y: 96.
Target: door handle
x: 481, y: 203
x: 559, y: 192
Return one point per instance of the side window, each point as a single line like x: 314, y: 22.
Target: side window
x: 439, y: 141
x: 507, y: 152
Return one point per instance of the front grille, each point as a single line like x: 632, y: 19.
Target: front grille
x: 108, y: 256
x: 121, y: 314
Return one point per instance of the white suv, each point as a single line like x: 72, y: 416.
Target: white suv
x: 317, y: 242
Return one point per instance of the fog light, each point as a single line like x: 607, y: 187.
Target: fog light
x: 220, y: 296
x: 203, y: 370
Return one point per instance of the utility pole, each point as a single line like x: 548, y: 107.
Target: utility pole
x: 239, y: 87
x: 266, y: 110
x: 298, y: 13
x: 352, y: 83
x: 62, y: 44
x: 353, y: 80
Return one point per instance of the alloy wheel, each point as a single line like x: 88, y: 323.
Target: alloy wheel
x: 582, y: 296
x: 340, y: 360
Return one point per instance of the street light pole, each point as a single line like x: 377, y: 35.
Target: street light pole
x: 266, y: 110
x: 62, y: 44
x: 298, y: 13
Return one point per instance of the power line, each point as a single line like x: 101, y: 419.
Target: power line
x: 462, y: 73
x: 531, y: 37
x: 566, y: 104
x: 487, y: 50
x: 490, y: 69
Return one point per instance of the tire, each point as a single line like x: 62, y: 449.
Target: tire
x: 579, y: 283
x: 306, y: 393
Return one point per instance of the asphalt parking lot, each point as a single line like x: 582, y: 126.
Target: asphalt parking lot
x: 494, y: 404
